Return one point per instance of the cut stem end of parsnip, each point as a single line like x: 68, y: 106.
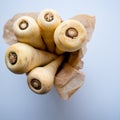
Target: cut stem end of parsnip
x: 49, y: 17
x: 70, y: 36
x: 71, y: 32
x: 36, y: 84
x: 23, y: 25
x: 12, y: 58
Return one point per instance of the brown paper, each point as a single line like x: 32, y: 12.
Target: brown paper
x: 68, y: 81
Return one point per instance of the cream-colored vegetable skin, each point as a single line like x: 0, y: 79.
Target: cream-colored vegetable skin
x: 27, y: 31
x: 41, y: 79
x: 70, y: 35
x: 21, y: 58
x: 48, y: 20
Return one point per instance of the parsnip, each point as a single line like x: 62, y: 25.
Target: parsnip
x: 8, y: 34
x: 21, y: 58
x: 41, y: 79
x: 27, y: 31
x: 58, y: 51
x: 70, y: 35
x: 48, y: 20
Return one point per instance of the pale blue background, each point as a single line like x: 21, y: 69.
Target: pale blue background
x: 99, y: 98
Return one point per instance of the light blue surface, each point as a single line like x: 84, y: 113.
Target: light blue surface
x: 99, y: 98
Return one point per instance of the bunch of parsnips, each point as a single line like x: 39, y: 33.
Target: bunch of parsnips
x: 48, y: 49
